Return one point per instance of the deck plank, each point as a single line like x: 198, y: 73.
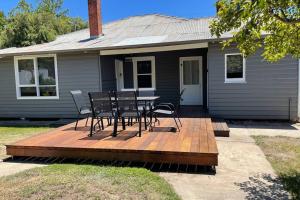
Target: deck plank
x: 193, y: 144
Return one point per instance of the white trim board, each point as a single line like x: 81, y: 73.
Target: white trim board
x: 153, y: 49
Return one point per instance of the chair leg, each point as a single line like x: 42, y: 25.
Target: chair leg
x: 123, y: 123
x: 115, y: 126
x: 178, y: 119
x: 92, y: 127
x: 140, y: 127
x: 102, y: 125
x: 145, y: 120
x: 87, y: 120
x: 176, y: 123
x: 77, y: 122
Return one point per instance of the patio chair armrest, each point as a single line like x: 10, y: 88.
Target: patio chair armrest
x: 168, y: 104
x: 85, y: 107
x: 163, y: 107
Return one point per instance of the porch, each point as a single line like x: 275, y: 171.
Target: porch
x: 167, y: 72
x: 194, y: 144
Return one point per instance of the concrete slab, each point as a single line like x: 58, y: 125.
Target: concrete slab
x: 243, y: 173
x: 10, y: 168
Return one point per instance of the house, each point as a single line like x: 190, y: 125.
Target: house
x: 158, y: 52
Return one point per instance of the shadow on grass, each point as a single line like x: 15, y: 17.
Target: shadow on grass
x: 263, y: 186
x: 291, y: 182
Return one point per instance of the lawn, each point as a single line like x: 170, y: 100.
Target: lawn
x: 69, y: 181
x: 10, y: 135
x: 284, y: 155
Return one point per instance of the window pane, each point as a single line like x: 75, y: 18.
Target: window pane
x: 234, y: 66
x: 26, y: 72
x: 191, y: 72
x: 144, y: 67
x: 47, y: 91
x: 144, y: 81
x: 46, y: 71
x: 28, y: 91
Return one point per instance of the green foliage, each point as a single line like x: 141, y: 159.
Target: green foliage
x: 270, y: 24
x: 2, y: 23
x: 2, y: 20
x: 25, y: 26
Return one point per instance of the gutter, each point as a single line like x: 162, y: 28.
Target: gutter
x: 114, y: 47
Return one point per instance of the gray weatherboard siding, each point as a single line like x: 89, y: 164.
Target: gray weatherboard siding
x: 75, y: 71
x: 265, y: 95
x: 166, y: 68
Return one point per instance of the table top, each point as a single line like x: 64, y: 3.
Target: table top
x: 150, y: 98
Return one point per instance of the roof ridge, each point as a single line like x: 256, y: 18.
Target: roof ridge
x: 126, y: 18
x: 143, y: 15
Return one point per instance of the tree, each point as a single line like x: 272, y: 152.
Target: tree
x: 27, y: 26
x: 2, y: 24
x: 2, y: 20
x: 273, y: 25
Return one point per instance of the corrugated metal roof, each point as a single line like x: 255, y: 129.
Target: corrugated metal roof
x: 132, y: 31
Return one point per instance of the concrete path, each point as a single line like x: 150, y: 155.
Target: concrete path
x: 267, y: 128
x: 10, y: 168
x: 243, y: 173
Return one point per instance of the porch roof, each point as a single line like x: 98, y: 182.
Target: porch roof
x: 132, y: 32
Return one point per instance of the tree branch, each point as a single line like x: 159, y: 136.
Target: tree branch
x: 284, y: 18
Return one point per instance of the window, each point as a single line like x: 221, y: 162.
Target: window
x: 235, y: 68
x: 190, y: 72
x: 144, y: 72
x: 36, y: 77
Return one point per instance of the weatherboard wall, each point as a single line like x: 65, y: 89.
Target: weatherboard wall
x: 270, y: 91
x: 75, y: 71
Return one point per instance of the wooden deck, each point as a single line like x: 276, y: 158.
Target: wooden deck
x: 220, y: 128
x: 195, y: 144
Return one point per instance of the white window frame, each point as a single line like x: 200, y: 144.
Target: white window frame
x: 153, y: 74
x: 36, y: 85
x: 235, y: 80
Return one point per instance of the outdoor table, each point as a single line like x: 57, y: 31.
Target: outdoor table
x: 145, y: 99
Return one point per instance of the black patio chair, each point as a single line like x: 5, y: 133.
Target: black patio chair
x: 146, y: 106
x: 82, y: 107
x: 127, y: 107
x: 102, y: 107
x: 169, y: 109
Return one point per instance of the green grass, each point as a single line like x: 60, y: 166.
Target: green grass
x: 9, y: 135
x: 284, y: 155
x: 68, y: 181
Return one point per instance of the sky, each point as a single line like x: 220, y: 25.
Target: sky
x: 118, y: 9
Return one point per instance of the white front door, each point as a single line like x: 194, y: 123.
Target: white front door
x: 119, y: 74
x: 191, y: 80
